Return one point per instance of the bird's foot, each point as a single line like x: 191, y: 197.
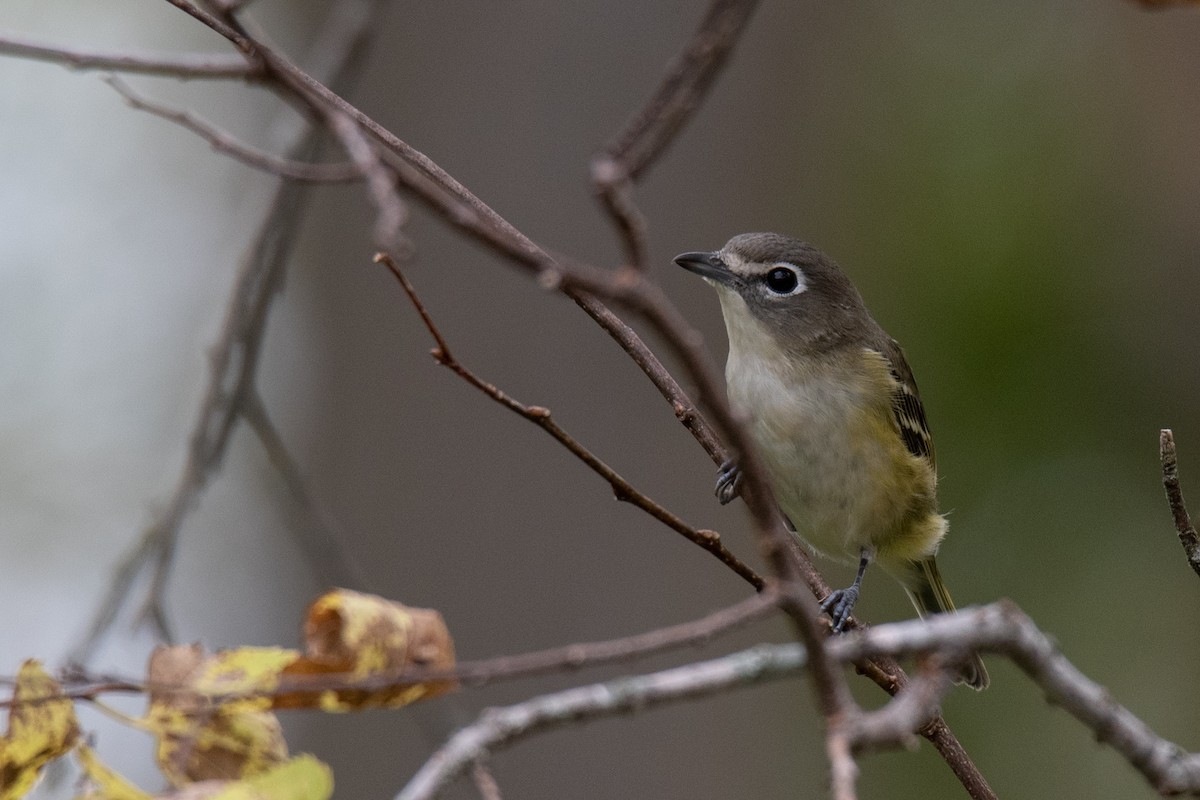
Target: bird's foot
x: 729, y: 481
x: 838, y: 605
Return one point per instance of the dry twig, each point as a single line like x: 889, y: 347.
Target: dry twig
x: 390, y: 212
x: 192, y: 65
x: 654, y: 126
x: 234, y: 360
x: 1183, y: 521
x: 79, y: 684
x: 500, y: 727
x: 622, y: 489
x: 485, y: 782
x: 247, y: 154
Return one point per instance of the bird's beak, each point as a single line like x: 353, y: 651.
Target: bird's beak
x: 707, y: 265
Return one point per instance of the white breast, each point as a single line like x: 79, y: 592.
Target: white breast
x: 818, y: 429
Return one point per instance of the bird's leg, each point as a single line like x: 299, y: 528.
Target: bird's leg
x: 729, y: 481
x: 840, y: 602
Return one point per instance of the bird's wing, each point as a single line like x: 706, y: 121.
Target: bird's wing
x: 906, y: 402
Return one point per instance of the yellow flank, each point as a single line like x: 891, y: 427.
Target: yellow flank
x: 904, y: 503
x: 832, y: 445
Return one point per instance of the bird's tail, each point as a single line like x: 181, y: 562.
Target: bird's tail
x: 930, y: 596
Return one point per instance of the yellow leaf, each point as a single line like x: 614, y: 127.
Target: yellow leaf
x: 251, y: 671
x: 40, y: 729
x: 204, y: 730
x: 302, y: 778
x: 365, y: 639
x: 104, y: 783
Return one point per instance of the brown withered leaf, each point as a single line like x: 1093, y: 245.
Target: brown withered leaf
x: 366, y: 638
x: 211, y: 714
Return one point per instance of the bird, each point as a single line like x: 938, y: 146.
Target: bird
x: 833, y: 409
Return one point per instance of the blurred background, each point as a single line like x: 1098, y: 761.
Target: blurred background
x: 1014, y: 187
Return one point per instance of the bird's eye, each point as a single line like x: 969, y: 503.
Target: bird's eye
x: 783, y: 280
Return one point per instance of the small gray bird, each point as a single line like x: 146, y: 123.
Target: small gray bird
x: 834, y: 410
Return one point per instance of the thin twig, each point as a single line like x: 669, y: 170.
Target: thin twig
x: 682, y: 90
x: 653, y: 127
x: 485, y: 781
x: 843, y: 772
x: 322, y: 542
x: 622, y: 489
x: 82, y: 685
x: 223, y: 142
x: 615, y: 190
x: 897, y: 722
x: 390, y: 211
x: 219, y: 26
x: 185, y: 66
x: 234, y: 360
x: 683, y: 406
x: 592, y: 654
x: 1183, y: 521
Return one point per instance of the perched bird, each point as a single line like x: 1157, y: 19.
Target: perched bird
x: 832, y: 405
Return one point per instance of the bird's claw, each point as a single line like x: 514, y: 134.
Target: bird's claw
x: 729, y: 481
x: 838, y: 605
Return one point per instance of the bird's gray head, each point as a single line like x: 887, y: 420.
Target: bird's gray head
x: 784, y: 287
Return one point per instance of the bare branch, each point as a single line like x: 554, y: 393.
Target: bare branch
x: 82, y: 685
x: 485, y: 781
x: 1000, y: 628
x: 685, y: 409
x: 451, y: 200
x: 240, y: 151
x: 1003, y: 628
x: 592, y: 654
x: 622, y: 488
x: 615, y: 190
x: 843, y: 772
x: 500, y: 727
x: 390, y: 212
x: 187, y: 66
x: 229, y: 6
x: 951, y: 750
x: 322, y: 542
x: 683, y: 88
x: 220, y: 27
x: 234, y: 360
x: 1183, y: 521
x: 647, y: 135
x: 897, y: 722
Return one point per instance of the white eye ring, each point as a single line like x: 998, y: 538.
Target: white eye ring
x: 784, y: 280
